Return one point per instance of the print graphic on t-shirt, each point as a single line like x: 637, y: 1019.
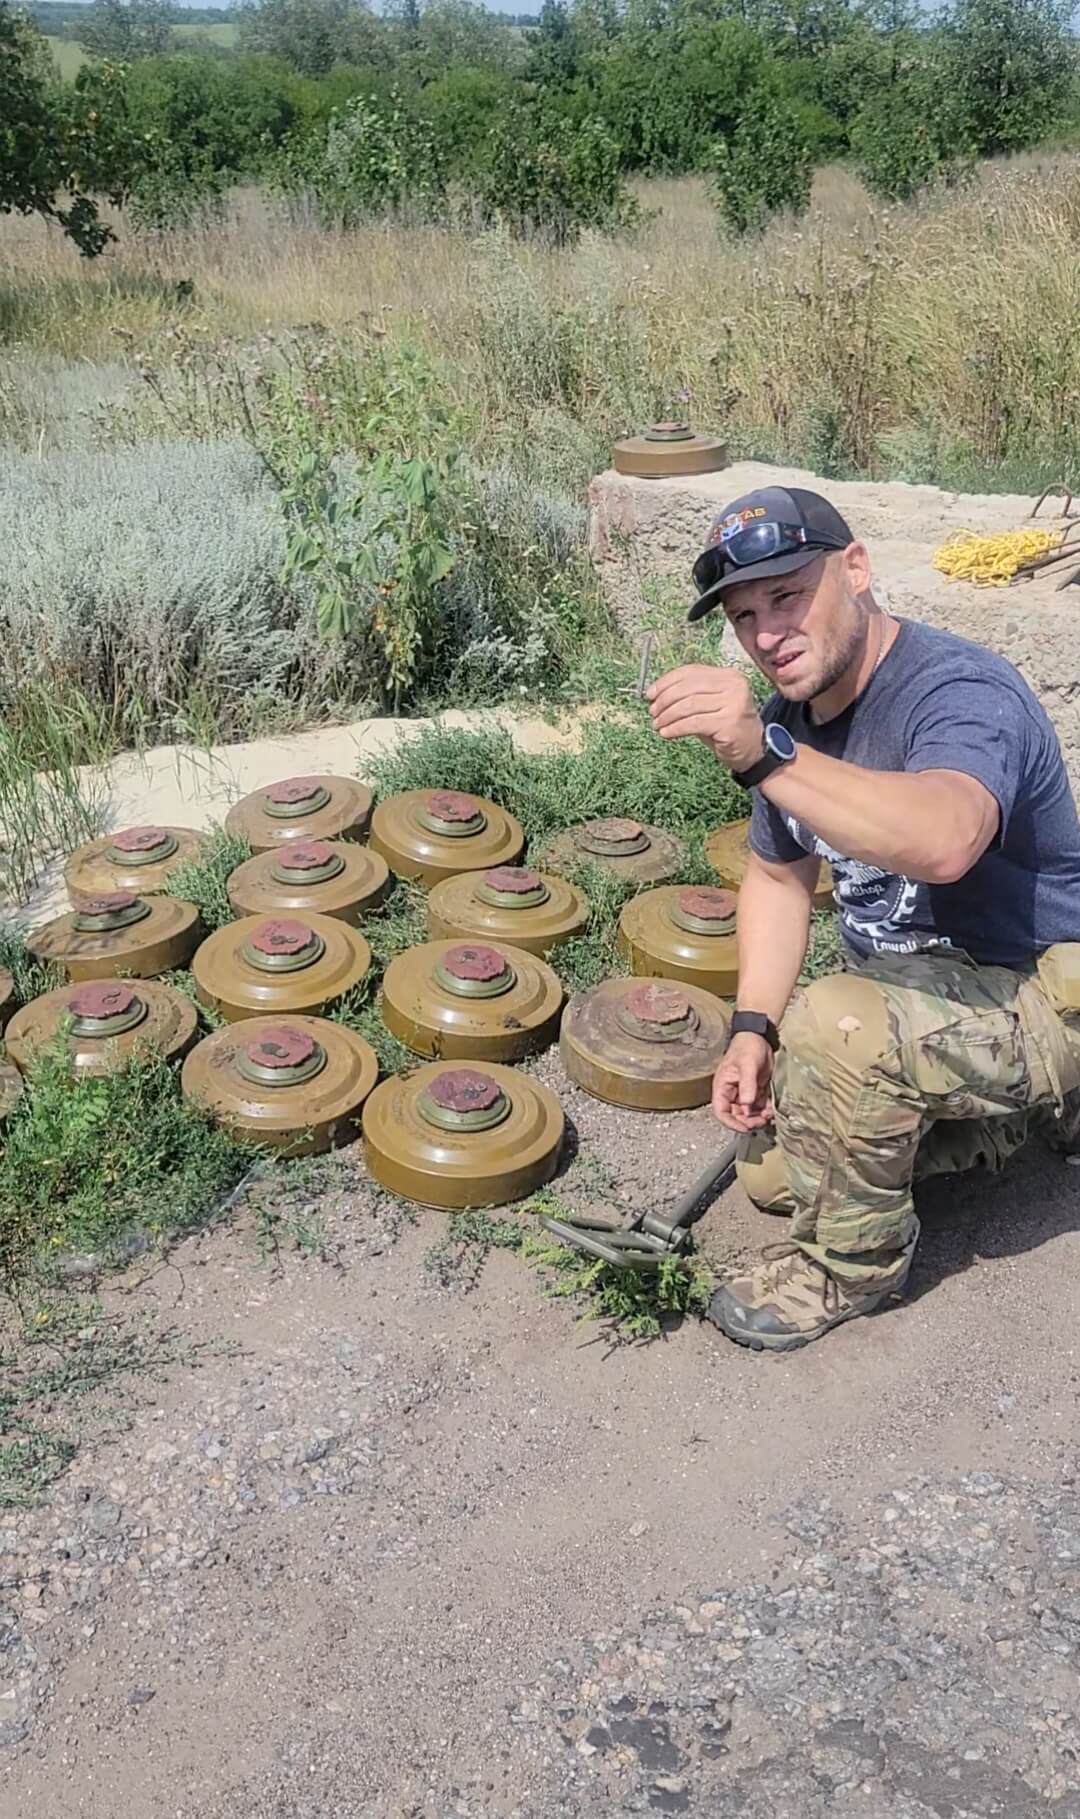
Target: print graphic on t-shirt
x: 876, y: 907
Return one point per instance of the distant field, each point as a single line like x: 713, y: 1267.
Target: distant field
x: 215, y: 34
x: 69, y: 57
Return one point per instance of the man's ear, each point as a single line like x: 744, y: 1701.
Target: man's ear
x: 857, y: 568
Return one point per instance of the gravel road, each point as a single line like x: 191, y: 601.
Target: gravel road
x: 383, y: 1545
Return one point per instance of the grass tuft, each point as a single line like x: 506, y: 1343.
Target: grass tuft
x: 32, y: 977
x: 106, y: 1166
x: 634, y: 1304
x: 203, y: 880
x: 622, y: 768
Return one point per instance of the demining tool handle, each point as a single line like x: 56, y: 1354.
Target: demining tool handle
x: 692, y: 1205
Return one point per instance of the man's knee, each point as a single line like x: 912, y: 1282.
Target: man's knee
x: 762, y: 1172
x: 842, y: 1018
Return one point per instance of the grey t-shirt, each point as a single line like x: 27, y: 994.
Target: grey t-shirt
x: 939, y: 702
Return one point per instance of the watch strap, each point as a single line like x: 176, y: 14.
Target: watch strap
x: 765, y: 766
x: 755, y: 1023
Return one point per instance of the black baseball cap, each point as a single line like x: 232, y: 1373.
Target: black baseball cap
x: 812, y: 525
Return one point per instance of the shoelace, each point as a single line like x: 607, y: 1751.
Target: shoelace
x: 784, y: 1259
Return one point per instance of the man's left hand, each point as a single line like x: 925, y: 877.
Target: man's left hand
x: 700, y: 702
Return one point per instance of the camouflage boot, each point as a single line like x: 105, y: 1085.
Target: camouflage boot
x: 790, y: 1299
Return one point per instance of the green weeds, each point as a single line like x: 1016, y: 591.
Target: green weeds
x: 106, y: 1166
x: 634, y: 1305
x: 622, y: 768
x: 203, y: 879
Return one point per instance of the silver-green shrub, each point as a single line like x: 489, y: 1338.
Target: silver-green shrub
x: 150, y: 577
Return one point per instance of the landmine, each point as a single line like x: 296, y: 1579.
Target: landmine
x: 119, y: 933
x: 728, y: 852
x: 685, y: 933
x: 301, y: 808
x: 667, y: 448
x: 138, y: 860
x: 110, y: 1020
x: 533, y: 910
x: 426, y: 836
x: 321, y: 877
x: 294, y: 1083
x: 471, y: 1001
x: 652, y: 1047
x: 635, y: 853
x: 267, y: 966
x: 459, y: 1137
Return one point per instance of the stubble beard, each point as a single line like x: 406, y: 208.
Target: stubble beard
x: 840, y: 653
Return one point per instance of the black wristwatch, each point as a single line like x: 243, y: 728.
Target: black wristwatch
x: 755, y: 1023
x: 780, y: 748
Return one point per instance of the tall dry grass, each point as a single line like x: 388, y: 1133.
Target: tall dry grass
x: 857, y: 337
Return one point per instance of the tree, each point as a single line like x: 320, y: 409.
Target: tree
x: 553, y: 177
x: 1009, y: 67
x: 553, y: 59
x: 123, y: 30
x: 763, y: 167
x: 311, y: 35
x: 40, y: 152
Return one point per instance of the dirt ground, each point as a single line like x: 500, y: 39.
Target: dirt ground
x: 389, y: 1541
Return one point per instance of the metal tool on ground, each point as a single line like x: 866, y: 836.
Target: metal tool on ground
x: 666, y: 448
x: 11, y: 1088
x: 139, y: 860
x: 1062, y: 561
x: 264, y: 965
x: 533, y: 910
x: 646, y: 1044
x: 632, y: 851
x: 644, y: 1240
x: 301, y: 808
x: 471, y: 1001
x: 108, y: 1020
x: 8, y: 1000
x: 428, y: 835
x: 120, y: 933
x: 326, y: 877
x: 294, y: 1083
x: 728, y: 851
x: 451, y: 1136
x: 684, y: 932
x: 1052, y: 492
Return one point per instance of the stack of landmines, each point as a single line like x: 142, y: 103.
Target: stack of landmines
x: 465, y: 1128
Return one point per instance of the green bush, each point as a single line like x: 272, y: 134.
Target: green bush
x: 898, y: 150
x: 375, y: 159
x: 551, y: 178
x: 97, y: 1164
x: 764, y: 166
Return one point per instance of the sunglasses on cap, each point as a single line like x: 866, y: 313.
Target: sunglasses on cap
x: 743, y: 545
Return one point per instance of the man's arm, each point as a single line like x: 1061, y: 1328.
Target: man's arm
x: 773, y: 929
x: 931, y: 825
x: 927, y: 825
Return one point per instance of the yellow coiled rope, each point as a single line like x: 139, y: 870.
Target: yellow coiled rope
x: 992, y: 561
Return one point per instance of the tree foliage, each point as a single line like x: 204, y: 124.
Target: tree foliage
x: 125, y: 29
x: 42, y: 150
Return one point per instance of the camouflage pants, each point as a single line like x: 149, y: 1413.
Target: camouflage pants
x: 911, y: 1065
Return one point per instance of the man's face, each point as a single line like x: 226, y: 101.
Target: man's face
x: 804, y: 630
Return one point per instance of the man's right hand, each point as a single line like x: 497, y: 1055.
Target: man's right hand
x: 742, y: 1096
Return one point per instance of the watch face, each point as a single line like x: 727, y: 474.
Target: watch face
x: 780, y: 742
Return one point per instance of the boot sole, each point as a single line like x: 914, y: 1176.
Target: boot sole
x: 794, y: 1342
